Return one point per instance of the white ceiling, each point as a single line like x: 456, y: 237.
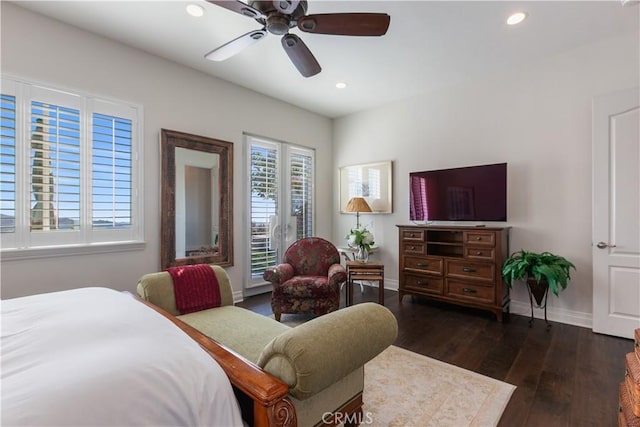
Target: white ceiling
x: 429, y: 44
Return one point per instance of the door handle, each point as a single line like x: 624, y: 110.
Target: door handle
x: 603, y: 245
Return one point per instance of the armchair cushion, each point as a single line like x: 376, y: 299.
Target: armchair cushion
x: 311, y: 257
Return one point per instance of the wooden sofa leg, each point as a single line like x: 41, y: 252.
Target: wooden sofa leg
x: 277, y: 315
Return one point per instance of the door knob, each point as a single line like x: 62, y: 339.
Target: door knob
x: 602, y: 245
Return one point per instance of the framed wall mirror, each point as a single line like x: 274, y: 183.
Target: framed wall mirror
x: 197, y: 200
x: 373, y: 181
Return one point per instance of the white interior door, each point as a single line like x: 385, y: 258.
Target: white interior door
x: 616, y: 213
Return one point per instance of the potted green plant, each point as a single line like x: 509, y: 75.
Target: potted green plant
x: 542, y: 271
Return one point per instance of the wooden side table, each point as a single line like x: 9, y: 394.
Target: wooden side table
x: 367, y: 271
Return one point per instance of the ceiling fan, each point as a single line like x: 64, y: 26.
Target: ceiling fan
x: 278, y: 16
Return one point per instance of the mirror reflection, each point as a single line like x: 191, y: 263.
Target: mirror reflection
x: 196, y: 213
x: 197, y: 188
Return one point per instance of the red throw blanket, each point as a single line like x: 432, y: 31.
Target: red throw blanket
x: 195, y: 287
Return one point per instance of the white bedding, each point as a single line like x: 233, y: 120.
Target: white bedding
x: 95, y: 356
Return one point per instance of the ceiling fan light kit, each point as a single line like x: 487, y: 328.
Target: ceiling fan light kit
x: 279, y: 16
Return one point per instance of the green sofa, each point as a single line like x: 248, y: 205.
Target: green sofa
x: 322, y: 361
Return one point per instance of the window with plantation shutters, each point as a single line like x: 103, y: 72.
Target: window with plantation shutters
x: 7, y: 164
x: 264, y: 207
x: 281, y: 205
x: 111, y: 178
x: 70, y: 172
x: 301, y: 179
x: 54, y: 167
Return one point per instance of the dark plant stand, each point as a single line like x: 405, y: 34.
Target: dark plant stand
x: 540, y: 292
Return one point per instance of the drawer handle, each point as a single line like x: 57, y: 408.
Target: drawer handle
x: 478, y: 238
x: 422, y: 282
x: 422, y: 264
x: 469, y: 291
x: 411, y: 235
x: 413, y: 248
x: 468, y: 270
x: 478, y: 253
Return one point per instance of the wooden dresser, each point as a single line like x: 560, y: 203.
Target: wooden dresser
x: 459, y: 265
x: 629, y: 392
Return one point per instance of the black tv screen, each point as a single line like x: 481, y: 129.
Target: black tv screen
x: 474, y: 193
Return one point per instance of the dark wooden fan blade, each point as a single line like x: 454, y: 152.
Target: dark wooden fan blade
x: 239, y: 7
x: 346, y: 24
x: 300, y: 55
x: 233, y: 47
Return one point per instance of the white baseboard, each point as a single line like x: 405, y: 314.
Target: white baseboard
x: 569, y: 317
x: 256, y: 289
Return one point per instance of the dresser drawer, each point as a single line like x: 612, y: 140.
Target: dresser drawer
x: 413, y: 248
x: 432, y: 285
x: 430, y: 265
x: 483, y: 238
x: 412, y: 235
x: 469, y: 291
x: 488, y: 254
x: 471, y: 270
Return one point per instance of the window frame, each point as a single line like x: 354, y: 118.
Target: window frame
x: 25, y: 244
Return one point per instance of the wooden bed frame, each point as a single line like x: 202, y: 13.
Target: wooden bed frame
x: 267, y: 395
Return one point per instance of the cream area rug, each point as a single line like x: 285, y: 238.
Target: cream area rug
x: 403, y: 388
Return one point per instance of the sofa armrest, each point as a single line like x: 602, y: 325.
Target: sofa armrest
x: 278, y: 274
x: 320, y: 352
x: 157, y: 288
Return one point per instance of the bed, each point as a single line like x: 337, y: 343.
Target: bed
x: 96, y: 356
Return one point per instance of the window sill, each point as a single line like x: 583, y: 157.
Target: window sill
x: 70, y: 250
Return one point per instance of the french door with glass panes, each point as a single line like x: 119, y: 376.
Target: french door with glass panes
x: 281, y: 202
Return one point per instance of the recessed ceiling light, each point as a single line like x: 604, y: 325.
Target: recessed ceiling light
x: 517, y: 18
x: 195, y: 10
x: 341, y: 85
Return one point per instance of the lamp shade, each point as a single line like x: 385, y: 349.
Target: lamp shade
x: 357, y: 204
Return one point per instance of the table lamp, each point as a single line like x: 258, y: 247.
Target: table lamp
x: 357, y: 205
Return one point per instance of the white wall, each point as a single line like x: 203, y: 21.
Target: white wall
x: 538, y: 120
x: 174, y: 97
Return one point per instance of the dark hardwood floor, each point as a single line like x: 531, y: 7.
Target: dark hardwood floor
x: 567, y: 376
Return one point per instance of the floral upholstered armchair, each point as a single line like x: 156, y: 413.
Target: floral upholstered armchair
x: 308, y: 280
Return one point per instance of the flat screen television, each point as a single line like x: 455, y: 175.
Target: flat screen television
x: 473, y: 193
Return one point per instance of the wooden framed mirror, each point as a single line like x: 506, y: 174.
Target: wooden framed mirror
x: 197, y: 200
